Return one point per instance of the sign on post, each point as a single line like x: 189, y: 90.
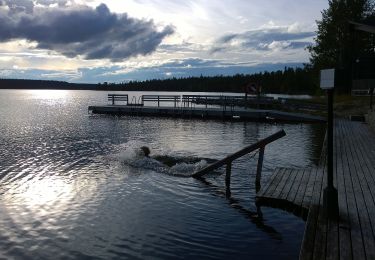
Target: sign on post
x: 327, y: 79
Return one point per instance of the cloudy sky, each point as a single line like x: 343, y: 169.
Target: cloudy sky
x: 121, y: 40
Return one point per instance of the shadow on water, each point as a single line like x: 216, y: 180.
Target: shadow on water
x: 256, y: 217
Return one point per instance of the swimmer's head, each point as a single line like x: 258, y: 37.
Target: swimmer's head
x: 146, y: 150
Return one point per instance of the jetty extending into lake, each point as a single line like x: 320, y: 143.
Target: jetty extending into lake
x: 203, y: 107
x: 300, y: 191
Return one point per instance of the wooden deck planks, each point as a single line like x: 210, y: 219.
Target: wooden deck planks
x: 274, y: 180
x: 353, y: 235
x: 345, y: 244
x: 365, y: 202
x: 285, y: 177
x: 315, y: 174
x: 321, y: 225
x: 289, y: 185
x: 295, y: 191
x: 354, y: 223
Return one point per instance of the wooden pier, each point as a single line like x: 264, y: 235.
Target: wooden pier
x: 300, y: 191
x: 185, y: 107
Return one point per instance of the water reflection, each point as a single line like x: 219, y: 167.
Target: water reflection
x: 47, y: 94
x: 47, y: 192
x: 65, y: 195
x: 256, y: 217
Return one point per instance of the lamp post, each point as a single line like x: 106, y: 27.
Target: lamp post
x: 330, y: 196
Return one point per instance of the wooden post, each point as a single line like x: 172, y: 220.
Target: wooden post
x: 158, y: 101
x: 227, y: 178
x: 113, y: 99
x: 259, y: 169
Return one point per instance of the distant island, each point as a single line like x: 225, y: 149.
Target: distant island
x: 287, y: 81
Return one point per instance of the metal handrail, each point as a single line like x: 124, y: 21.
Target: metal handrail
x: 248, y: 149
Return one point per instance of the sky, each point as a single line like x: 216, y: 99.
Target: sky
x: 123, y: 40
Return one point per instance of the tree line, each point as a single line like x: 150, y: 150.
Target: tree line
x: 42, y: 84
x: 288, y: 81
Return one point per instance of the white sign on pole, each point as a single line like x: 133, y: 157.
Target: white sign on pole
x: 327, y: 79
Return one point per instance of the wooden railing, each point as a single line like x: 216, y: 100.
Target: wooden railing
x: 248, y: 149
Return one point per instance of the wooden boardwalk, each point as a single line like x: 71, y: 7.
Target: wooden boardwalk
x: 300, y: 191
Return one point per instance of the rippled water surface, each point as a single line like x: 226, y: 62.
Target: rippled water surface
x: 73, y: 186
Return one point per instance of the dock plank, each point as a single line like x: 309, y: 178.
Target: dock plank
x: 352, y: 236
x: 307, y: 197
x: 365, y: 201
x: 288, y: 188
x: 283, y: 182
x: 274, y: 180
x: 345, y: 244
x: 322, y: 222
x: 355, y: 228
x: 293, y: 193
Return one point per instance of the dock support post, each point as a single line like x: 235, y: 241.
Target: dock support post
x: 228, y: 173
x: 259, y: 168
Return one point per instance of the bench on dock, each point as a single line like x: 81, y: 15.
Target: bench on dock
x: 118, y: 97
x: 352, y: 235
x: 161, y: 99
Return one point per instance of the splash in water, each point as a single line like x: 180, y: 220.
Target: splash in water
x: 135, y: 156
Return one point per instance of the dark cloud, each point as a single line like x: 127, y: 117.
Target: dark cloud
x: 80, y: 30
x: 263, y: 40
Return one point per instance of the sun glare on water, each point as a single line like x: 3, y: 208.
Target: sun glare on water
x: 46, y: 192
x: 48, y: 94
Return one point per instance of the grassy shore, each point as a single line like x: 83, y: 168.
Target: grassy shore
x: 345, y: 105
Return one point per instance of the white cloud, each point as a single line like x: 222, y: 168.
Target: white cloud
x: 198, y: 25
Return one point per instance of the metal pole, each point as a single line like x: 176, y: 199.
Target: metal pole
x: 371, y: 95
x: 227, y: 179
x: 330, y: 139
x: 330, y: 193
x: 259, y: 169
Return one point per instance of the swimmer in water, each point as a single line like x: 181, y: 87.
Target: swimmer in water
x: 146, y: 151
x: 171, y: 161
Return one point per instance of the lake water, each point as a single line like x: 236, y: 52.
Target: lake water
x: 72, y: 185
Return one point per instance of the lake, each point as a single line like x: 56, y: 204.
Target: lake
x: 73, y: 185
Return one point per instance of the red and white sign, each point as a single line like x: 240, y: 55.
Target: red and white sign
x: 252, y: 88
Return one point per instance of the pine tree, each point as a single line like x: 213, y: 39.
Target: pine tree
x: 336, y: 43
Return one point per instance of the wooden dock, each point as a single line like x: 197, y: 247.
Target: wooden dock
x: 185, y: 107
x: 300, y: 191
x: 206, y: 113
